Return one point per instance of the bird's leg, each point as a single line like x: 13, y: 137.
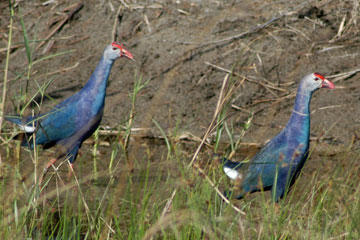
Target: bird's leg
x: 71, y: 170
x: 46, y: 169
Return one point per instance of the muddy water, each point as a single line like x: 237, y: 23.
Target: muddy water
x: 147, y: 162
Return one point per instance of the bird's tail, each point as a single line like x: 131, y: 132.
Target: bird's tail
x: 230, y: 168
x: 27, y: 127
x: 14, y: 119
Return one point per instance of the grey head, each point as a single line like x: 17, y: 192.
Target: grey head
x: 116, y: 50
x: 315, y: 81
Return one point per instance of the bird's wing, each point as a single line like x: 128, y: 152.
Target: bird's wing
x: 263, y: 166
x: 61, y: 122
x: 57, y: 124
x: 278, y: 157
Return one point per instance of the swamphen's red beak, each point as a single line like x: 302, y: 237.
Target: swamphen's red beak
x: 327, y: 84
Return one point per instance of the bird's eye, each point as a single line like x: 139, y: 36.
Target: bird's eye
x: 114, y: 49
x: 316, y: 79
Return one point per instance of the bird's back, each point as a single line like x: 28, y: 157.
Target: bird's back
x: 73, y: 116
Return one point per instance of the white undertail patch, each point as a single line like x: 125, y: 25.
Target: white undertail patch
x: 231, y: 173
x: 27, y: 129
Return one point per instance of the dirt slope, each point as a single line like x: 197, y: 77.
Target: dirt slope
x: 174, y: 42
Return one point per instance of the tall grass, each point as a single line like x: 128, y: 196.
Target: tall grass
x: 323, y: 204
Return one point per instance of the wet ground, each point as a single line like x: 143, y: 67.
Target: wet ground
x: 185, y: 49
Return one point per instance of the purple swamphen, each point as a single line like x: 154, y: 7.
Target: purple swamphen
x: 75, y: 119
x: 279, y: 162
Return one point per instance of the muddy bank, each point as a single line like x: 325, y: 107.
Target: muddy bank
x: 180, y: 47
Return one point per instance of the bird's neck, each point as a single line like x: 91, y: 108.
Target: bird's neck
x: 98, y: 80
x: 299, y: 122
x: 302, y: 103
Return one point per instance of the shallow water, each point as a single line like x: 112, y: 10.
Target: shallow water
x: 147, y: 163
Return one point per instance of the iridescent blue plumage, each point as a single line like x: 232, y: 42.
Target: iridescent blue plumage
x: 278, y: 163
x: 72, y: 121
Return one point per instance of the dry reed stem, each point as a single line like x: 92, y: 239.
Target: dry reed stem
x: 266, y: 86
x: 2, y: 106
x: 108, y: 225
x: 340, y: 76
x: 124, y: 3
x: 212, y: 184
x: 63, y: 70
x: 77, y: 184
x: 147, y: 22
x: 184, y: 137
x: 129, y: 163
x: 116, y: 21
x: 5, y: 49
x: 178, y: 218
x: 77, y: 8
x: 340, y: 30
x: 220, y: 103
x: 137, y: 6
x: 223, y: 98
x: 55, y: 192
x: 168, y: 204
x: 87, y: 209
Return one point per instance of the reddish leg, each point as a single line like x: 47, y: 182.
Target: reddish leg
x: 70, y: 173
x: 46, y: 169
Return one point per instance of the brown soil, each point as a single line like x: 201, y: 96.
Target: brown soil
x: 172, y: 41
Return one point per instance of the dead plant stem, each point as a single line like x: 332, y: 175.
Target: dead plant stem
x: 266, y: 86
x: 2, y: 106
x: 216, y: 113
x: 76, y: 8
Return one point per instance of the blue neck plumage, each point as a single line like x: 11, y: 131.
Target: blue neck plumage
x: 300, y: 116
x: 98, y: 80
x: 302, y: 103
